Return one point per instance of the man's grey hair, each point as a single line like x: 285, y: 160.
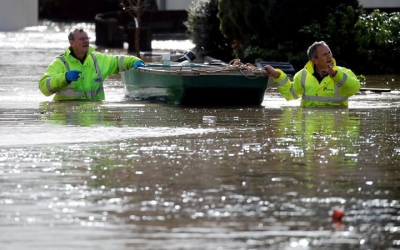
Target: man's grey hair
x: 312, y: 50
x: 71, y: 35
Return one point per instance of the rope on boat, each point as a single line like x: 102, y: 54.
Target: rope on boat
x: 247, y: 70
x: 235, y: 64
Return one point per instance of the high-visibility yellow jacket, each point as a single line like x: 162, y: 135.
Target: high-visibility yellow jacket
x: 331, y: 91
x: 89, y: 86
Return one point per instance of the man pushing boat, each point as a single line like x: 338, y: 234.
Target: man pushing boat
x: 78, y: 74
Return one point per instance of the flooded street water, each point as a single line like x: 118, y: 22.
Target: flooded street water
x: 123, y: 174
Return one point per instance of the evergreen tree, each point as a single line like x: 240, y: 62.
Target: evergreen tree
x: 203, y: 29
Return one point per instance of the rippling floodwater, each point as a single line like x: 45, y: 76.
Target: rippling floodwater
x: 123, y: 174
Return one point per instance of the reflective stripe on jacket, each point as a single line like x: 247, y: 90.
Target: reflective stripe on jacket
x: 331, y: 91
x: 89, y: 86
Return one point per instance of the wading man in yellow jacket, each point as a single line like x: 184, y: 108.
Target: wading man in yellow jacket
x: 78, y: 74
x: 320, y: 83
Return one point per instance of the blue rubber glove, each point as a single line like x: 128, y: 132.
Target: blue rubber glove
x: 72, y: 75
x: 139, y: 64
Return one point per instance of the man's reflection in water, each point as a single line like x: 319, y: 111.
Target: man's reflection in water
x: 320, y: 136
x: 80, y: 113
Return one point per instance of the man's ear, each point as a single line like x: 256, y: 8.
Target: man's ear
x: 314, y: 60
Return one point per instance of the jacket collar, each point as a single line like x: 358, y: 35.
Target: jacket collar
x: 310, y: 65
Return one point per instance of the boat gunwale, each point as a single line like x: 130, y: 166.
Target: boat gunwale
x: 193, y: 71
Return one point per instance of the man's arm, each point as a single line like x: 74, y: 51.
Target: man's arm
x: 53, y: 79
x: 347, y: 81
x: 289, y: 90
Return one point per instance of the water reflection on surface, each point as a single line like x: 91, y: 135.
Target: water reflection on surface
x: 123, y: 174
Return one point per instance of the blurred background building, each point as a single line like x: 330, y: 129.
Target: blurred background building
x: 17, y: 14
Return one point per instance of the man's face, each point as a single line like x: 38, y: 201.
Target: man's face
x: 324, y: 57
x: 80, y: 43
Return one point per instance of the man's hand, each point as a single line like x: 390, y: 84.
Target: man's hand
x: 330, y: 71
x: 72, y: 75
x: 139, y: 64
x: 272, y: 72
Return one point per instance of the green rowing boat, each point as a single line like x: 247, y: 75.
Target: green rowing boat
x: 197, y: 84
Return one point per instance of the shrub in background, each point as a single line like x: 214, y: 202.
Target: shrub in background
x: 265, y: 30
x: 282, y: 30
x: 378, y: 40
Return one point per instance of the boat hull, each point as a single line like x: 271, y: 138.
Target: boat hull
x: 196, y: 86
